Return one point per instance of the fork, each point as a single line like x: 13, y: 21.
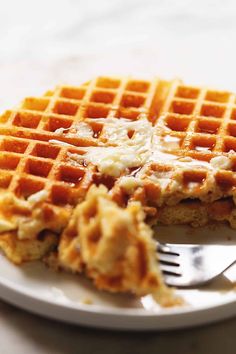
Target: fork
x: 185, y: 265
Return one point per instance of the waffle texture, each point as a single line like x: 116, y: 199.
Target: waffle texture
x: 164, y: 146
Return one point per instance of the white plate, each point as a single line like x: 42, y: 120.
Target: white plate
x: 62, y: 296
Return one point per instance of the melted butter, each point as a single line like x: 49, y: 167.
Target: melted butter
x: 146, y: 145
x: 202, y: 148
x: 58, y: 142
x: 171, y: 142
x: 82, y: 130
x: 131, y: 151
x: 6, y: 225
x: 130, y: 183
x: 61, y: 131
x: 163, y: 181
x: 118, y: 131
x: 79, y: 130
x: 222, y: 162
x: 38, y: 197
x: 110, y: 160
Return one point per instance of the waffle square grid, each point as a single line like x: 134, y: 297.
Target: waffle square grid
x: 202, y: 119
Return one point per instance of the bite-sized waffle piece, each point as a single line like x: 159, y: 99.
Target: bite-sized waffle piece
x: 114, y: 247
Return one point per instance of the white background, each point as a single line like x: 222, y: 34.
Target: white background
x: 46, y: 42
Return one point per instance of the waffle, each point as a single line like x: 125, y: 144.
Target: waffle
x: 26, y: 131
x: 161, y: 145
x: 202, y: 121
x: 114, y: 247
x: 31, y: 163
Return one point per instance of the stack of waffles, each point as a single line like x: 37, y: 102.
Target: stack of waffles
x: 85, y: 171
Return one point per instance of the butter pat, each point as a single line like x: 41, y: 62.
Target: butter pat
x: 83, y: 130
x: 130, y: 183
x: 30, y: 228
x: 221, y: 162
x: 58, y: 142
x: 38, y: 197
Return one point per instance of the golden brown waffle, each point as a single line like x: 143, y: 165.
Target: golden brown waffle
x: 28, y: 163
x: 205, y: 117
x: 202, y: 122
x: 202, y: 119
x: 45, y: 170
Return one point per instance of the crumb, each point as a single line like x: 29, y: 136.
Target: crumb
x: 51, y: 261
x: 87, y: 301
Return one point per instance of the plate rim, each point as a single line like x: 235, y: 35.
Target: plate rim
x: 115, y: 318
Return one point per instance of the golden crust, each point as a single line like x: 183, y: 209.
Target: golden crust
x: 19, y: 251
x: 197, y: 213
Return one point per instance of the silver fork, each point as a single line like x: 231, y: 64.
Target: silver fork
x: 185, y: 265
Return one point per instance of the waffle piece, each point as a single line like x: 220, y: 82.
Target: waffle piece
x: 114, y: 247
x: 207, y: 117
x: 201, y: 122
x: 203, y: 118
